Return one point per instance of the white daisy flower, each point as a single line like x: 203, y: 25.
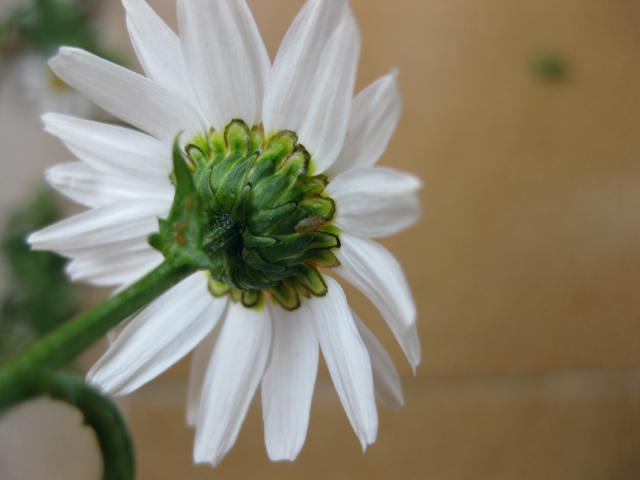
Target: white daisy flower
x: 283, y: 156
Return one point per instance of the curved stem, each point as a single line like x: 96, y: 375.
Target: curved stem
x: 100, y: 413
x: 62, y: 345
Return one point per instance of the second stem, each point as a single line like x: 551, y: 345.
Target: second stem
x: 65, y: 343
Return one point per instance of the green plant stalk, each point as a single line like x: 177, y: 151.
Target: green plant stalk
x: 180, y: 239
x: 100, y: 413
x: 71, y: 338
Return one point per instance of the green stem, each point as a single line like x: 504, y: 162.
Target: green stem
x: 99, y: 413
x: 66, y: 342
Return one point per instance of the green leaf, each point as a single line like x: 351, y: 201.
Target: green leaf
x: 181, y: 234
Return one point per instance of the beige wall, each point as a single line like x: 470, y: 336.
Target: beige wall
x: 526, y: 266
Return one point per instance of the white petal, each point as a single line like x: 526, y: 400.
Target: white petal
x: 115, y: 268
x: 197, y: 372
x: 311, y: 84
x: 91, y: 188
x: 347, y: 359
x: 375, y: 113
x: 138, y: 241
x: 370, y: 267
x: 93, y: 229
x: 110, y: 148
x: 287, y: 386
x: 159, y: 336
x: 227, y: 60
x: 375, y: 202
x: 234, y: 372
x: 386, y: 380
x: 127, y: 95
x: 157, y: 47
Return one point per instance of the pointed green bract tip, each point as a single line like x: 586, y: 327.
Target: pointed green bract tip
x: 180, y: 236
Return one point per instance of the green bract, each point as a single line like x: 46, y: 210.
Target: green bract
x: 269, y: 224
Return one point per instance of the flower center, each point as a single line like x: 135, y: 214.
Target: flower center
x: 270, y: 221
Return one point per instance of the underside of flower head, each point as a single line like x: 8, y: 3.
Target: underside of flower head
x: 266, y: 212
x: 268, y: 218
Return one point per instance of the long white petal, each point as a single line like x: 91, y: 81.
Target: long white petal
x: 288, y: 383
x: 347, y: 359
x: 115, y: 268
x: 136, y: 241
x: 157, y: 47
x: 370, y: 267
x: 93, y: 229
x: 234, y: 372
x: 110, y: 148
x: 127, y: 95
x: 197, y: 373
x: 386, y: 380
x: 375, y: 113
x: 91, y: 188
x: 227, y: 60
x: 159, y: 336
x: 375, y: 202
x: 311, y: 84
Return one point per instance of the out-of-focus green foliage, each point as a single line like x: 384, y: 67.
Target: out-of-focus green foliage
x: 39, y: 295
x: 44, y: 25
x: 551, y: 66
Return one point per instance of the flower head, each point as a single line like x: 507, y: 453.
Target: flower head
x: 282, y: 158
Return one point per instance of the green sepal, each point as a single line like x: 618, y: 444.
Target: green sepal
x: 267, y: 220
x: 228, y: 180
x: 251, y: 298
x: 201, y: 142
x: 272, y: 191
x: 322, y: 258
x: 240, y: 208
x: 253, y: 258
x: 217, y: 289
x: 236, y: 295
x: 319, y: 206
x: 297, y: 163
x: 251, y: 241
x: 311, y: 279
x: 310, y: 224
x: 210, y: 201
x: 181, y: 234
x: 277, y: 188
x: 294, y: 247
x: 196, y: 156
x: 302, y: 291
x: 316, y: 209
x: 238, y: 273
x: 285, y: 294
x: 218, y: 146
x: 312, y: 186
x: 218, y: 171
x: 332, y: 230
x: 278, y: 148
x: 237, y: 137
x: 257, y: 139
x: 198, y: 151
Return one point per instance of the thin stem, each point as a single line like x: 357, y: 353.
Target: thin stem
x: 66, y: 342
x: 100, y: 413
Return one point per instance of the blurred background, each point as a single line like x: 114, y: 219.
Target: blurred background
x: 522, y: 118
